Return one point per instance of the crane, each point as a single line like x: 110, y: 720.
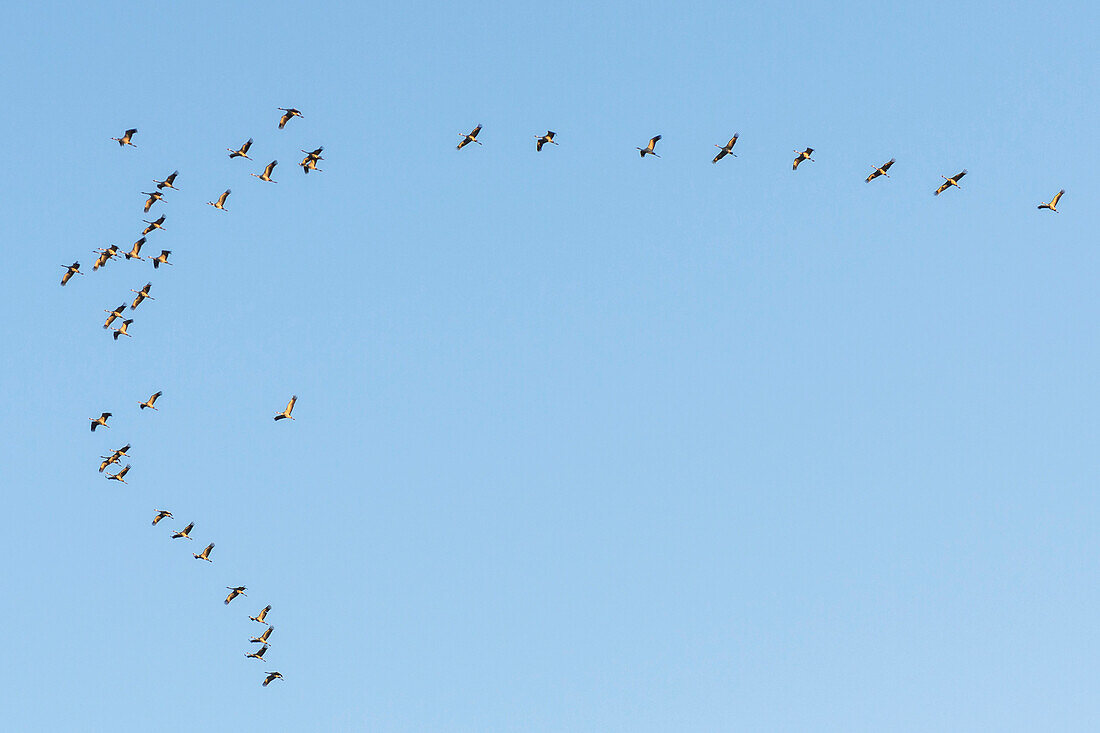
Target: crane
x: 266, y: 175
x: 261, y: 615
x: 541, y: 140
x: 258, y: 655
x: 949, y: 182
x: 156, y: 224
x: 220, y: 203
x: 135, y: 250
x: 290, y: 113
x: 1049, y: 205
x: 142, y: 295
x: 101, y: 420
x: 881, y: 170
x: 121, y: 331
x: 149, y: 402
x: 241, y: 152
x: 162, y: 514
x: 205, y: 554
x: 115, y: 457
x: 154, y: 197
x: 116, y: 313
x: 262, y: 638
x: 162, y: 258
x: 168, y: 182
x: 184, y: 533
x: 271, y: 677
x: 310, y: 161
x: 285, y: 414
x: 470, y: 137
x: 104, y: 255
x: 120, y: 476
x: 648, y: 149
x: 70, y: 270
x: 125, y: 139
x: 727, y: 149
x: 234, y: 591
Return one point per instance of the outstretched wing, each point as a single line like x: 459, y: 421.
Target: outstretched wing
x: 290, y: 405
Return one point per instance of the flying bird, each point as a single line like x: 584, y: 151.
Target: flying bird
x: 271, y: 677
x: 142, y: 295
x: 949, y: 182
x: 470, y: 137
x: 234, y: 592
x: 648, y: 149
x: 881, y: 170
x: 125, y: 139
x: 541, y: 140
x: 310, y: 161
x: 162, y: 258
x: 135, y: 250
x: 261, y: 615
x: 241, y: 152
x: 120, y: 476
x: 184, y: 533
x: 803, y: 155
x: 262, y: 638
x: 220, y: 203
x: 1049, y: 205
x: 168, y: 182
x: 727, y: 149
x: 101, y: 420
x: 116, y: 313
x: 289, y: 407
x: 266, y: 176
x: 121, y: 331
x: 70, y: 270
x: 104, y: 255
x: 205, y: 554
x: 115, y: 457
x: 156, y: 224
x: 149, y: 402
x: 290, y: 112
x: 258, y: 655
x: 162, y: 514
x: 154, y: 197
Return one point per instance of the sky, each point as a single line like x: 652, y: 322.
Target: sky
x: 583, y: 442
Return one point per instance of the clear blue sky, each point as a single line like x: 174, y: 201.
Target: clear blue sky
x: 584, y: 442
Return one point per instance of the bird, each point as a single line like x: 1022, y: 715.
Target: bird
x: 220, y: 203
x: 290, y: 112
x: 241, y: 152
x: 116, y: 313
x: 122, y: 330
x: 114, y: 457
x: 168, y: 182
x: 101, y: 420
x: 271, y: 677
x: 289, y: 406
x: 134, y: 253
x: 258, y: 655
x: 266, y: 176
x: 648, y: 149
x: 104, y: 255
x: 804, y: 155
x: 234, y: 592
x: 154, y: 197
x: 205, y: 554
x: 162, y: 258
x: 142, y: 294
x: 261, y: 615
x: 470, y: 137
x: 541, y: 140
x: 149, y: 402
x: 1050, y: 205
x: 262, y: 638
x: 184, y: 533
x: 881, y: 170
x: 949, y: 182
x: 156, y: 224
x: 125, y: 139
x: 70, y: 270
x: 120, y: 476
x: 161, y: 514
x: 727, y: 149
x: 310, y: 161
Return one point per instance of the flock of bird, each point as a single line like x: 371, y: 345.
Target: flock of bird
x: 105, y: 255
x: 309, y: 163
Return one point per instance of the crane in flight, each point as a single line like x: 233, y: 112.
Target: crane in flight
x: 162, y: 514
x: 220, y: 203
x: 205, y: 554
x: 727, y: 149
x: 162, y: 258
x: 121, y: 331
x: 149, y: 402
x: 142, y: 295
x: 262, y: 638
x: 289, y: 114
x: 881, y: 170
x: 135, y: 250
x: 648, y: 149
x: 184, y: 533
x: 266, y: 175
x: 112, y: 315
x: 803, y: 155
x: 234, y: 591
x: 541, y: 140
x: 258, y: 655
x: 261, y: 615
x: 1052, y: 204
x: 271, y: 677
x: 470, y: 137
x: 70, y: 270
x: 285, y: 414
x: 241, y: 152
x: 169, y: 182
x: 949, y: 182
x: 125, y: 139
x: 154, y: 197
x: 120, y: 476
x: 101, y: 420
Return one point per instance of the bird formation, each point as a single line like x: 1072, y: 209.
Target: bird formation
x: 308, y: 164
x: 117, y: 316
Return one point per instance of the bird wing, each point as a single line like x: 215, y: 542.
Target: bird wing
x: 943, y: 186
x: 223, y: 197
x: 188, y: 528
x: 290, y: 405
x: 132, y: 131
x: 959, y: 175
x: 1054, y: 201
x: 246, y: 146
x: 154, y: 397
x: 476, y: 130
x: 653, y: 141
x: 270, y: 167
x: 887, y: 164
x: 732, y: 142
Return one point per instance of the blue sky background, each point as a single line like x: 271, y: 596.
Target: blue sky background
x: 584, y: 442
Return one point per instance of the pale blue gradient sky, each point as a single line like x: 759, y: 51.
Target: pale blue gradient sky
x: 584, y: 442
